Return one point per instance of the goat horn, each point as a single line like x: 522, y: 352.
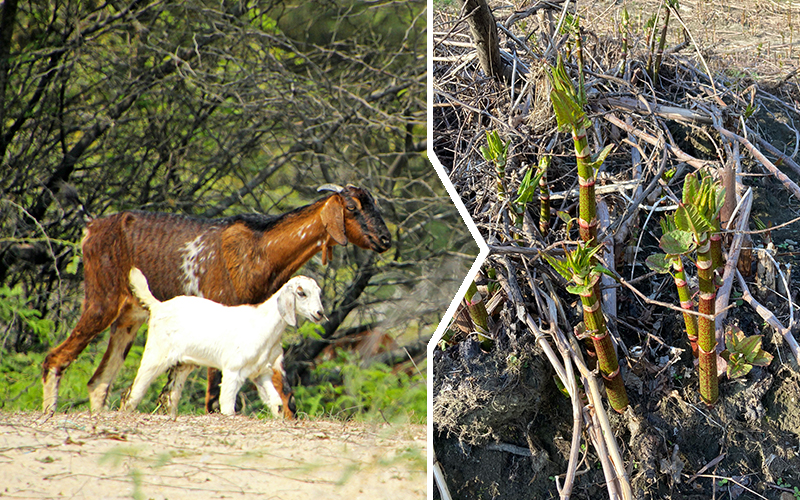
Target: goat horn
x: 331, y: 187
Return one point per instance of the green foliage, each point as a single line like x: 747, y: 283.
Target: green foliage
x: 701, y: 204
x: 21, y: 373
x: 577, y: 266
x: 251, y: 107
x: 677, y: 242
x: 497, y: 151
x: 742, y: 353
x: 567, y: 102
x: 373, y: 393
x: 311, y: 330
x: 795, y: 490
x: 599, y: 158
x: 688, y: 218
x: 567, y: 219
x: 659, y: 263
x: 15, y: 309
x: 527, y: 188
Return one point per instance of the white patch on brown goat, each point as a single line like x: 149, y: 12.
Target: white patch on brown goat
x: 193, y: 265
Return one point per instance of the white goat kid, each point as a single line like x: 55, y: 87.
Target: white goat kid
x: 242, y: 341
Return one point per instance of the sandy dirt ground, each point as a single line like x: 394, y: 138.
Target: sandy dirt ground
x: 140, y: 456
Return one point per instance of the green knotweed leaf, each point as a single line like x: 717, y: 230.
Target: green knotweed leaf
x: 738, y: 368
x: 568, y: 115
x: 566, y: 103
x: 561, y: 267
x: 720, y: 200
x: 599, y: 268
x: 560, y: 386
x: 667, y: 224
x: 659, y: 263
x: 732, y: 336
x: 690, y: 188
x: 527, y: 188
x: 598, y: 159
x: 763, y: 358
x: 579, y: 289
x: 687, y: 218
x: 677, y: 242
x: 742, y: 353
x: 544, y: 162
x: 749, y: 347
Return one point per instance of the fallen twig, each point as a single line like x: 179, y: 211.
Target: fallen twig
x: 438, y: 476
x: 769, y: 317
x: 787, y: 182
x: 724, y: 292
x: 674, y: 151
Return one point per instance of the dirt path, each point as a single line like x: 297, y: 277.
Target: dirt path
x: 150, y: 456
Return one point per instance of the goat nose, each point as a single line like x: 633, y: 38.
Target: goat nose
x: 386, y: 240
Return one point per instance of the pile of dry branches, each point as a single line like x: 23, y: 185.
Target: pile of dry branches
x: 666, y: 113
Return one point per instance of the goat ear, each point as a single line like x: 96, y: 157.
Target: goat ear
x: 333, y: 219
x: 286, y: 306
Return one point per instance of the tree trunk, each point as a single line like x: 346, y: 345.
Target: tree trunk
x: 483, y: 28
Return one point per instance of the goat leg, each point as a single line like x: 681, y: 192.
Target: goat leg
x: 120, y: 339
x: 212, y: 391
x: 231, y: 382
x: 151, y: 367
x: 181, y: 371
x: 97, y: 316
x: 281, y: 385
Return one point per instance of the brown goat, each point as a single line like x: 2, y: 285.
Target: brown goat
x: 241, y: 259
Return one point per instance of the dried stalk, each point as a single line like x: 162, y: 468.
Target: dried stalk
x: 438, y: 476
x: 590, y: 381
x: 769, y: 317
x: 786, y: 159
x: 673, y: 150
x: 723, y: 294
x: 787, y: 182
x: 603, y: 439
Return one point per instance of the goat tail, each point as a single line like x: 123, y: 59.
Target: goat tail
x: 141, y: 289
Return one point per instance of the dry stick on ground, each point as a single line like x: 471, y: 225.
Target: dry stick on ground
x: 787, y: 182
x: 590, y: 381
x: 569, y: 383
x: 769, y: 317
x: 602, y: 439
x: 623, y: 227
x: 648, y: 300
x: 676, y: 152
x: 438, y: 476
x: 724, y: 292
x: 624, y: 221
x: 787, y: 160
x: 577, y: 406
x: 609, y: 293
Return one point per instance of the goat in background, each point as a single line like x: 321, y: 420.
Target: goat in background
x: 241, y: 259
x: 242, y: 341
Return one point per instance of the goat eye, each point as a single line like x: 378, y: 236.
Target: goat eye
x: 351, y: 208
x: 300, y: 292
